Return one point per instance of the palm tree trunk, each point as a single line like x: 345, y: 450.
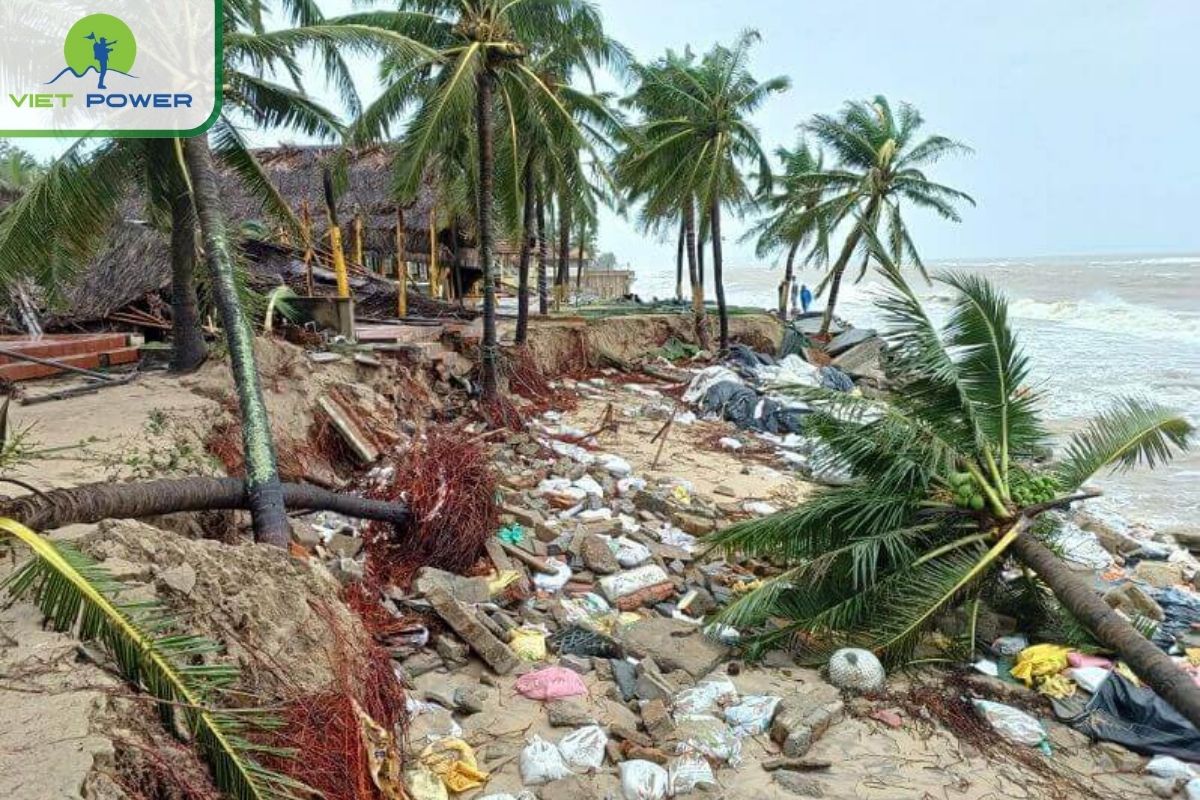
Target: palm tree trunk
x: 689, y: 227
x: 700, y: 253
x: 785, y: 287
x: 484, y: 124
x: 543, y: 257
x: 82, y: 505
x: 188, y: 348
x: 679, y: 261
x: 839, y: 267
x: 719, y: 277
x: 262, y: 476
x: 527, y: 243
x: 1148, y: 662
x: 562, y: 276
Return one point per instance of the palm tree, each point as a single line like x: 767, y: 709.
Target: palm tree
x: 697, y: 151
x: 791, y: 225
x: 943, y: 488
x: 880, y: 165
x: 480, y: 74
x: 18, y: 170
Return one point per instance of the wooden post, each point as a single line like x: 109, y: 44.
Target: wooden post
x: 335, y: 239
x: 358, y: 238
x: 306, y: 232
x: 435, y: 280
x: 401, y: 267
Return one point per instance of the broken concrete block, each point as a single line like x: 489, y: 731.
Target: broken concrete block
x: 464, y: 590
x: 495, y: 653
x: 673, y: 644
x: 598, y: 556
x: 802, y: 720
x: 568, y: 714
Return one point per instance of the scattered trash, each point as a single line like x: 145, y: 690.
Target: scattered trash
x: 583, y: 750
x: 1138, y: 719
x: 860, y: 670
x: 1012, y: 723
x: 551, y: 683
x: 705, y: 697
x: 752, y: 715
x: 626, y: 583
x: 528, y: 644
x: 1040, y: 661
x: 453, y: 761
x: 512, y: 533
x: 1009, y: 645
x: 1170, y: 767
x: 689, y: 772
x: 542, y: 763
x: 555, y: 582
x: 708, y: 736
x: 643, y: 780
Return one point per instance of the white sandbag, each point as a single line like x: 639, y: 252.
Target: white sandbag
x: 542, y: 763
x: 583, y: 749
x: 552, y: 583
x: 631, y: 554
x: 689, y: 772
x: 707, y: 378
x: 705, y: 697
x: 1192, y: 789
x: 643, y: 780
x: 708, y: 736
x: 589, y: 485
x: 1170, y: 767
x: 1089, y: 678
x: 626, y: 583
x: 616, y: 466
x: 1011, y: 723
x: 752, y: 715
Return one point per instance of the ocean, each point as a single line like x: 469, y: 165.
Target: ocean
x: 1095, y: 329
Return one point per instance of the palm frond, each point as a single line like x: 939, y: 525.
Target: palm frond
x: 76, y: 594
x: 1130, y: 433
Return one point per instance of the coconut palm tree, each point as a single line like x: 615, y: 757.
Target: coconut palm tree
x: 18, y: 170
x: 698, y: 150
x: 480, y: 78
x: 790, y: 226
x: 880, y: 165
x: 943, y: 489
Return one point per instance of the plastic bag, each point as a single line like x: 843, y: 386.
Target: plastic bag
x: 552, y: 583
x: 752, y: 715
x: 551, y: 683
x: 626, y: 583
x: 529, y: 645
x: 1089, y: 678
x: 1011, y: 723
x: 542, y: 763
x: 630, y: 553
x: 453, y: 761
x: 583, y: 749
x: 424, y: 784
x: 710, y: 737
x: 643, y: 780
x: 1040, y: 661
x: 1170, y: 767
x: 1192, y: 789
x: 1009, y: 645
x: 705, y: 697
x: 688, y: 772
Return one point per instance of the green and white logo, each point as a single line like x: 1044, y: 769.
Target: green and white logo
x: 122, y: 68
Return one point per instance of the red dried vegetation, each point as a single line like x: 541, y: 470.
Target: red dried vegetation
x: 449, y: 485
x: 224, y: 442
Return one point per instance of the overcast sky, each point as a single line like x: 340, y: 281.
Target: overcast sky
x: 1084, y: 114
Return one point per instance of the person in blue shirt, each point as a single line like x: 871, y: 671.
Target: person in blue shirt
x: 805, y: 298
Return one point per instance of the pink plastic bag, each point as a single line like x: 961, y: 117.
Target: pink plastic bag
x: 1084, y: 660
x: 551, y: 683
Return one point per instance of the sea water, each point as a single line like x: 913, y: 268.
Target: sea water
x: 1095, y: 328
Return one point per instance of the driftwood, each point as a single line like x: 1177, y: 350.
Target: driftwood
x: 94, y: 502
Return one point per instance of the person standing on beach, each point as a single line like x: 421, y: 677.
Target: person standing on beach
x: 101, y: 50
x: 805, y: 298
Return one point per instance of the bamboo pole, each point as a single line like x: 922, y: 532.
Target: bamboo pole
x: 335, y: 239
x: 309, y: 254
x: 401, y: 267
x: 358, y: 238
x: 435, y: 279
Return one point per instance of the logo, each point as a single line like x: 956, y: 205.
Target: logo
x: 100, y: 44
x: 109, y: 67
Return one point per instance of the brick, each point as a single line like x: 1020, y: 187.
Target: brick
x: 495, y: 653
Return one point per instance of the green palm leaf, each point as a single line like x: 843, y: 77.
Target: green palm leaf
x: 76, y: 594
x: 1132, y: 432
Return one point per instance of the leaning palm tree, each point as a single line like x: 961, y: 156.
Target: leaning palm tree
x: 942, y: 489
x: 694, y: 155
x: 880, y: 165
x: 791, y: 224
x: 479, y: 78
x: 18, y: 170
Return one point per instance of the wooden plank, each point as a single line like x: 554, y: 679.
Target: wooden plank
x: 349, y: 430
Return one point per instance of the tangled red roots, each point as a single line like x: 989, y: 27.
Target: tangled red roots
x: 450, y: 487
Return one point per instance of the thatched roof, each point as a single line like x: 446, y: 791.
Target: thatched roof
x: 135, y: 262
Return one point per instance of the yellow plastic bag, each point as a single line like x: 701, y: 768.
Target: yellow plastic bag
x: 502, y: 581
x: 681, y: 494
x: 1039, y: 661
x: 424, y: 784
x: 453, y: 761
x: 529, y: 645
x: 382, y: 755
x: 1193, y: 655
x: 1057, y: 686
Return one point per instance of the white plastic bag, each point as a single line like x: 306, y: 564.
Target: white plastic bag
x: 752, y: 715
x: 643, y: 780
x: 583, y: 749
x: 1088, y: 678
x: 689, y: 772
x: 626, y: 583
x: 705, y: 697
x: 616, y: 466
x: 631, y: 554
x: 552, y: 583
x: 1011, y: 723
x: 1192, y: 790
x: 1170, y: 767
x: 542, y: 763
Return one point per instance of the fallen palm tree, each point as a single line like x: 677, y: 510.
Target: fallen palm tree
x: 945, y: 488
x: 99, y: 501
